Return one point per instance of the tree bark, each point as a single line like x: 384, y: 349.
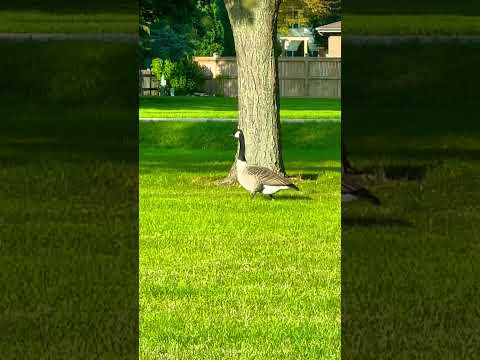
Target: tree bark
x: 254, y: 25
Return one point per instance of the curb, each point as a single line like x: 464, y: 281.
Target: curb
x: 213, y: 120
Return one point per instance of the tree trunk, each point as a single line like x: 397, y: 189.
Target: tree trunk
x: 254, y: 25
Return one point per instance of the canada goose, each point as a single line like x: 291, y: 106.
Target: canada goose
x: 346, y: 166
x: 257, y: 179
x: 352, y: 191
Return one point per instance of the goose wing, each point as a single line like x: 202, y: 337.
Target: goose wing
x: 267, y: 177
x: 350, y: 188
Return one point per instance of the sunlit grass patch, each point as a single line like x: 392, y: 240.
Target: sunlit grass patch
x: 224, y: 276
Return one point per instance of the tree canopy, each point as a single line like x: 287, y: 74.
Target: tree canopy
x: 178, y: 29
x: 183, y: 28
x: 308, y: 13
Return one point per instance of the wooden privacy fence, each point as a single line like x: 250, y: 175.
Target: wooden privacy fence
x: 299, y: 77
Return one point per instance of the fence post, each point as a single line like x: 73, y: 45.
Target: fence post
x: 306, y: 71
x: 150, y: 84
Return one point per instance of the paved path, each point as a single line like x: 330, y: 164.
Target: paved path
x: 105, y: 37
x: 406, y: 39
x: 202, y: 120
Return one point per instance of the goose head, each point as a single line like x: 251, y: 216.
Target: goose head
x: 238, y: 134
x: 241, y: 141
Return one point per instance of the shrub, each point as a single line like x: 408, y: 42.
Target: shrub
x: 185, y: 76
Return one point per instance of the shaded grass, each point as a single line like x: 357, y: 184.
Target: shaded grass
x: 409, y: 75
x: 222, y: 276
x: 63, y: 90
x: 413, y: 260
x: 68, y: 250
x: 424, y: 24
x: 409, y: 267
x: 67, y: 22
x: 222, y: 107
x: 217, y: 136
x: 69, y: 200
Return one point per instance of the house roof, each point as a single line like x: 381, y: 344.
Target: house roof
x: 335, y: 27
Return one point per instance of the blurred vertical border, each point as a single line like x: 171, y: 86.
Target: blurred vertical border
x: 68, y: 182
x: 410, y: 123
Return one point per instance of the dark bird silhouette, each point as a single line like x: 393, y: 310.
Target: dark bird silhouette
x: 352, y: 191
x: 347, y: 168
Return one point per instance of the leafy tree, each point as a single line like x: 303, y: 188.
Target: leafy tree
x: 291, y: 12
x: 169, y: 41
x: 152, y: 11
x: 307, y: 13
x: 177, y: 29
x: 332, y: 12
x: 208, y: 31
x: 184, y: 75
x: 160, y: 32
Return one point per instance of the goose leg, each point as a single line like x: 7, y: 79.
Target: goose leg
x: 271, y: 197
x: 252, y: 196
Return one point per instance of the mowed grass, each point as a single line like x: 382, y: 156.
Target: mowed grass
x: 67, y: 22
x: 223, y: 276
x: 414, y: 259
x: 69, y: 200
x: 68, y: 255
x: 409, y: 267
x: 222, y: 107
x: 410, y: 25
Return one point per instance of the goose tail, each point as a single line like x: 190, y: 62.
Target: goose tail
x: 293, y: 186
x: 367, y: 195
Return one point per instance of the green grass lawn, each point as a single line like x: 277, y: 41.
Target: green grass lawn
x: 67, y: 229
x: 223, y: 276
x: 223, y: 107
x: 414, y: 260
x: 49, y: 22
x: 69, y: 201
x: 409, y: 267
x: 410, y: 25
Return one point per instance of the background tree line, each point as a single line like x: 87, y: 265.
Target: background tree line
x: 177, y: 30
x: 184, y: 28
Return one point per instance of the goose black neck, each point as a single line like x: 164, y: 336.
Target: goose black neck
x: 241, y: 151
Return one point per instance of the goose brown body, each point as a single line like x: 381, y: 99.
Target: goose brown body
x: 258, y: 179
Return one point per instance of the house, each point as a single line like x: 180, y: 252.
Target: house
x: 333, y: 32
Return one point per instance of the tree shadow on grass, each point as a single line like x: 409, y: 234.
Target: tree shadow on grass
x: 292, y: 198
x: 395, y: 172
x: 409, y: 173
x: 196, y: 168
x: 308, y: 176
x: 374, y: 221
x: 313, y: 172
